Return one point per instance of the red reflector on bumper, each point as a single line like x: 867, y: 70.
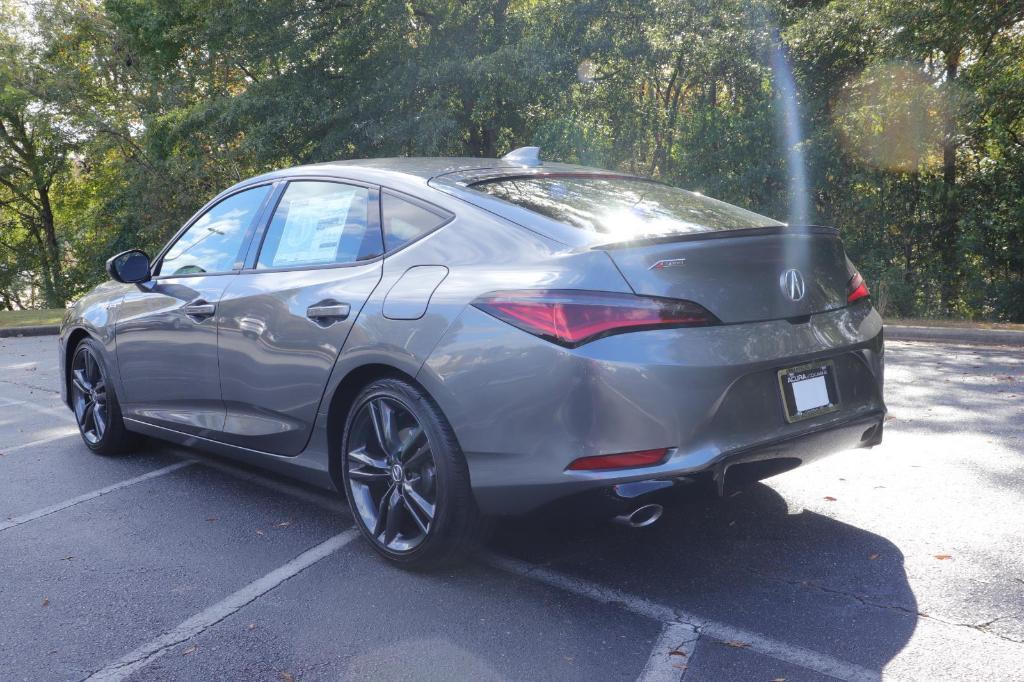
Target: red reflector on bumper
x: 624, y: 460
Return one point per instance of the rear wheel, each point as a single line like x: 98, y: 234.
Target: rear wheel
x: 406, y: 478
x: 94, y: 403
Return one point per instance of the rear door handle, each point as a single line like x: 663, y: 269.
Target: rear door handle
x: 200, y: 309
x: 328, y: 312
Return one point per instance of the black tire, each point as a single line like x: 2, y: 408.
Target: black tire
x: 380, y: 494
x: 94, y: 402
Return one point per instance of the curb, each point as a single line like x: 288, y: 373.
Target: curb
x: 982, y: 337
x: 40, y: 330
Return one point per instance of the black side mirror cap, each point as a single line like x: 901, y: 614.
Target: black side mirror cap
x: 129, y: 267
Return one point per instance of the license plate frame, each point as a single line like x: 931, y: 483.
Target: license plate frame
x: 808, y: 372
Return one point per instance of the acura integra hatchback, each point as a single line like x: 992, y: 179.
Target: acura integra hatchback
x: 448, y: 340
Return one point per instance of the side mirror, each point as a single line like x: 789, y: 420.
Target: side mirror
x: 130, y: 267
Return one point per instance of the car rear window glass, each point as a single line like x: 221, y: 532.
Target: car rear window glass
x: 405, y: 221
x: 319, y: 223
x: 622, y: 209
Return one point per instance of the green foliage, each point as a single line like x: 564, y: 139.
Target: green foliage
x: 912, y: 116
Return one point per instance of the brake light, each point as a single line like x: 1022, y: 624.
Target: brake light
x: 625, y: 460
x: 572, y: 318
x: 856, y: 289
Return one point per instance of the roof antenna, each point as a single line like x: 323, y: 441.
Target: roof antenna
x: 524, y: 156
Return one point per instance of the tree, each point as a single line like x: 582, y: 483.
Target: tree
x: 34, y: 149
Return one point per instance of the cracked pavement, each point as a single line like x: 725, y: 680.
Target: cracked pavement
x: 906, y: 560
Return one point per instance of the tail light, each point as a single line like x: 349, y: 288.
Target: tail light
x: 625, y: 460
x: 572, y: 318
x: 856, y: 289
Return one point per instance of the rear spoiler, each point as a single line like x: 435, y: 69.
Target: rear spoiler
x: 768, y: 230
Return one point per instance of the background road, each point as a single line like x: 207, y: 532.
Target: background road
x: 906, y: 560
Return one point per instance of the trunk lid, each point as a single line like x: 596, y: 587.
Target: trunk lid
x: 742, y: 275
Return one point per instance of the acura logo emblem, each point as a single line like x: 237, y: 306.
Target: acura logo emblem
x: 792, y: 283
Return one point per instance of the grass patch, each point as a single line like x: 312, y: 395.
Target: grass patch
x: 30, y: 318
x: 955, y: 324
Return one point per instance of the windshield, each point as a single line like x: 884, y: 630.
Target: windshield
x: 622, y: 208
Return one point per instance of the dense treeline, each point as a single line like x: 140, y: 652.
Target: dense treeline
x: 119, y: 118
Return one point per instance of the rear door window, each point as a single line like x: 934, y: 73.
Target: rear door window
x: 622, y: 208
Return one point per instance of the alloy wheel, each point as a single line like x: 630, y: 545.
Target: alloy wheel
x: 392, y: 474
x: 89, y: 395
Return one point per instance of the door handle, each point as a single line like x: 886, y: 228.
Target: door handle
x: 328, y: 312
x: 200, y: 309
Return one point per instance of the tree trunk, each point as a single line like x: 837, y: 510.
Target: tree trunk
x: 53, y: 292
x: 949, y: 227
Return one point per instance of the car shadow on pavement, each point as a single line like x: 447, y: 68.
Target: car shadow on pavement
x: 746, y: 561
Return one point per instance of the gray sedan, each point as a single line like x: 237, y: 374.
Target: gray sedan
x: 448, y: 340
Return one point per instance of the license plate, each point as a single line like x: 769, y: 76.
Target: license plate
x: 809, y: 390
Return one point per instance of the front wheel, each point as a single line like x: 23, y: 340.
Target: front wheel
x: 406, y: 478
x: 95, y: 404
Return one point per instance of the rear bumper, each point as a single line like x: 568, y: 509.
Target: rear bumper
x: 727, y: 471
x: 523, y: 409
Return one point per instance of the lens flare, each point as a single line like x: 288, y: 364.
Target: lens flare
x: 890, y: 117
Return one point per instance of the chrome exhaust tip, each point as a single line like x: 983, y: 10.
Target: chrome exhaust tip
x: 641, y: 517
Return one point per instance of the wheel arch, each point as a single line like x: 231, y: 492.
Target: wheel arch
x: 340, y: 405
x: 74, y: 338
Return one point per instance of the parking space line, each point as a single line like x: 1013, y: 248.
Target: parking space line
x: 637, y: 605
x: 671, y: 654
x: 147, y: 653
x: 41, y: 441
x: 782, y: 651
x: 62, y: 411
x: 46, y: 511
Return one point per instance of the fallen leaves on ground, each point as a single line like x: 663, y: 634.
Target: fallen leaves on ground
x: 189, y: 651
x: 287, y: 677
x: 829, y: 498
x: 46, y: 601
x: 736, y: 644
x: 873, y: 557
x: 943, y: 557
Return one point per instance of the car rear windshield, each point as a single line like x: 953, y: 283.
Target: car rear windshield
x: 620, y: 208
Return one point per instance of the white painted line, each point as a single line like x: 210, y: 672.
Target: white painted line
x: 147, y: 653
x: 637, y: 605
x: 671, y: 654
x: 58, y: 410
x: 46, y: 511
x: 790, y: 653
x: 41, y: 441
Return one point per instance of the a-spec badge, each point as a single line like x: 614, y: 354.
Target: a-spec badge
x: 670, y: 263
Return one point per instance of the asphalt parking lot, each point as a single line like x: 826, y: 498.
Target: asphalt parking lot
x: 902, y: 562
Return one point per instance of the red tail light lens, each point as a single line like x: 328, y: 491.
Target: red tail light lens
x: 625, y: 460
x: 856, y: 289
x: 572, y: 318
